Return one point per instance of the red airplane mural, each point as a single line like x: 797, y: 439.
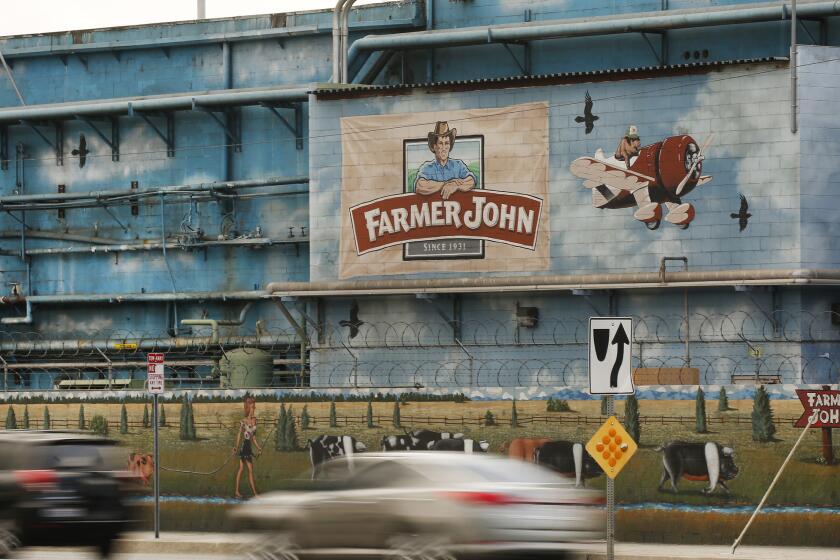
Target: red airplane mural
x: 658, y: 176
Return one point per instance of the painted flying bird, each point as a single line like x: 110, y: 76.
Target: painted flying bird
x: 742, y: 216
x: 82, y: 152
x: 354, y: 323
x: 588, y: 118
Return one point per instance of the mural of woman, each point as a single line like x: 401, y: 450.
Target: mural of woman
x: 247, y: 437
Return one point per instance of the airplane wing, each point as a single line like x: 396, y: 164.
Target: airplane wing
x: 595, y: 172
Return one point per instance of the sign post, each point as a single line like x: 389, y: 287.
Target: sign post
x: 610, y: 373
x: 825, y: 404
x: 155, y: 383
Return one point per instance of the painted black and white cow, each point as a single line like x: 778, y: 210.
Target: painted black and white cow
x: 568, y: 459
x: 699, y: 462
x: 464, y: 445
x: 416, y: 440
x: 323, y: 448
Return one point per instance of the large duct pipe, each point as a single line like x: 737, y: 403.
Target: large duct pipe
x: 178, y: 102
x: 640, y: 280
x: 607, y: 25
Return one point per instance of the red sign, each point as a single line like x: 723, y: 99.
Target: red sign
x: 824, y: 403
x: 510, y: 218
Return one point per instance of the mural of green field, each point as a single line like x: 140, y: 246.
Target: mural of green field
x: 806, y: 482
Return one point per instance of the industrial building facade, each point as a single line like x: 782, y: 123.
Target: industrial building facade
x: 491, y: 175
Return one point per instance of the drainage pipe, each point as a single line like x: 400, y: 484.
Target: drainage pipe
x: 640, y: 280
x: 176, y: 102
x: 584, y: 27
x: 129, y: 194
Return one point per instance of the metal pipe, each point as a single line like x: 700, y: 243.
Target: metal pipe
x: 793, y: 73
x: 214, y: 323
x: 26, y: 319
x: 640, y: 280
x: 68, y: 299
x: 54, y: 48
x: 75, y: 346
x: 336, y: 41
x: 11, y: 78
x: 60, y: 235
x: 227, y: 83
x: 158, y: 246
x: 430, y: 56
x: 177, y: 102
x: 607, y: 25
x: 345, y: 35
x: 136, y: 193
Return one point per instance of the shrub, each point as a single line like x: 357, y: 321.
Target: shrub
x: 700, y: 412
x: 146, y: 422
x: 291, y: 439
x: 82, y: 417
x: 47, y: 422
x: 333, y: 419
x: 11, y: 419
x: 763, y: 427
x: 557, y: 405
x: 162, y: 417
x: 397, y: 421
x: 123, y: 420
x: 25, y: 417
x: 632, y: 421
x: 187, y: 427
x: 370, y: 415
x: 99, y: 425
x: 489, y: 419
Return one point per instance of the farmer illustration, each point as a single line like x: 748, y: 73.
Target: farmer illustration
x: 443, y: 174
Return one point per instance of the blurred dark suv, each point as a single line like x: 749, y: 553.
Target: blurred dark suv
x: 61, y: 489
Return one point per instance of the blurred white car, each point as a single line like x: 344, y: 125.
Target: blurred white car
x: 428, y: 504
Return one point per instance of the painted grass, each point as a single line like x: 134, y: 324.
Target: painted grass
x: 804, y: 483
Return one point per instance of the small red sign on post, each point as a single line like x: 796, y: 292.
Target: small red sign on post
x: 154, y: 372
x: 824, y: 403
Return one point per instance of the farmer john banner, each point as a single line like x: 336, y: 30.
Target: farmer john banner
x: 452, y: 191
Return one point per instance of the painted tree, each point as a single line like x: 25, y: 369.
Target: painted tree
x: 514, y: 416
x: 370, y: 415
x: 700, y: 412
x: 162, y: 417
x: 191, y: 421
x: 280, y: 432
x: 99, y: 425
x: 123, y: 420
x: 604, y: 411
x: 632, y: 422
x: 11, y: 419
x: 304, y: 419
x: 47, y: 421
x: 489, y: 419
x: 26, y: 417
x: 763, y: 427
x: 82, y: 424
x: 146, y: 422
x: 333, y: 419
x: 291, y: 439
x: 187, y: 426
x: 397, y: 420
x: 723, y: 401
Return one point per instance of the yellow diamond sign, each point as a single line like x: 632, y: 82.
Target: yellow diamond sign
x: 611, y: 447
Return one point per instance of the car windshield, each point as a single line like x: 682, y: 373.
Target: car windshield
x: 76, y: 455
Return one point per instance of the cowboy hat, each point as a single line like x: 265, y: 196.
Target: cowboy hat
x: 442, y: 129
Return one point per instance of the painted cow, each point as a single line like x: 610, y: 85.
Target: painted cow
x: 523, y: 448
x: 417, y: 440
x: 568, y: 459
x: 323, y: 448
x: 461, y: 444
x: 141, y: 465
x: 708, y: 461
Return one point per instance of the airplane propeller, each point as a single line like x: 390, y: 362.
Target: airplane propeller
x: 700, y: 157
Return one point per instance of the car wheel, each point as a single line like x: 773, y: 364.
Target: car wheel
x: 410, y: 545
x: 280, y: 546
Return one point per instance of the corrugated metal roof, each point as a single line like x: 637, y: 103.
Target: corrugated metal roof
x: 352, y: 90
